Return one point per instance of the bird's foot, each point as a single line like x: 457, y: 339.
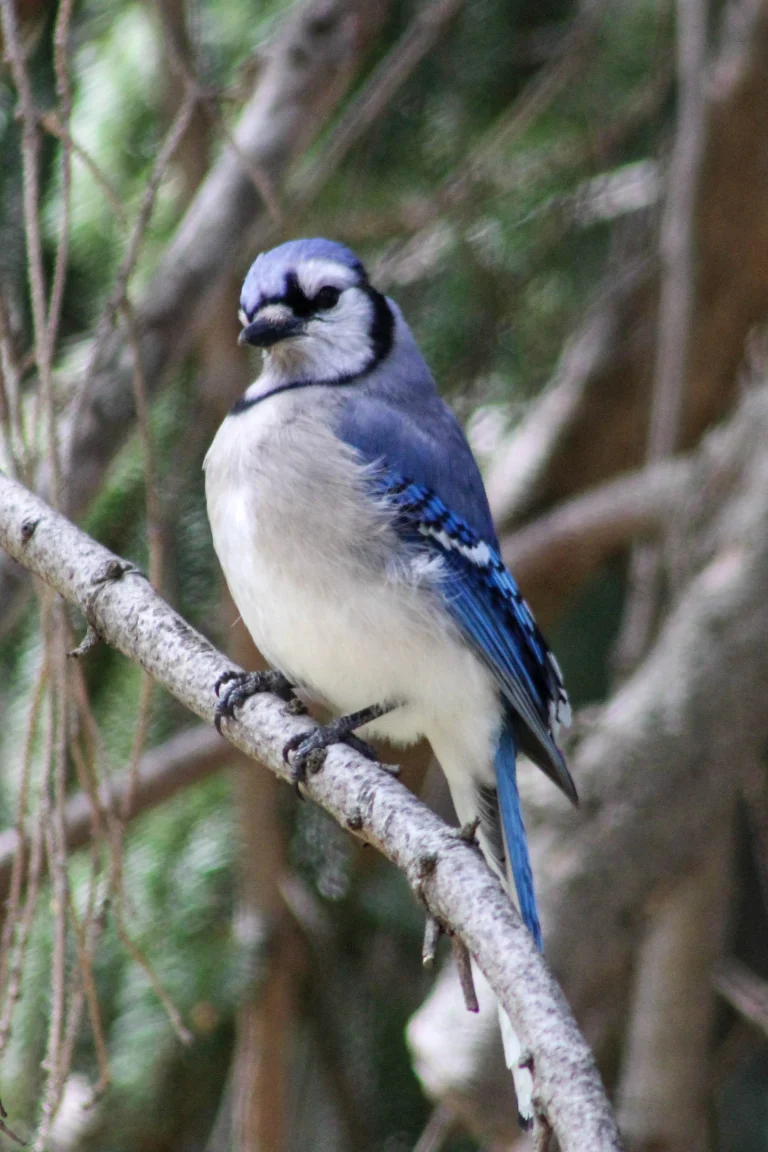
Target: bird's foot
x: 467, y: 833
x: 306, y: 751
x: 241, y: 685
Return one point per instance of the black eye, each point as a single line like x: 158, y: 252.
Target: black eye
x: 327, y: 297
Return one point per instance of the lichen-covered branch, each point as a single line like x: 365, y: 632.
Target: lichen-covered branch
x: 450, y: 876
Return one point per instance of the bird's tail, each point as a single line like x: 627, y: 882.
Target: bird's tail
x: 520, y: 876
x: 515, y: 839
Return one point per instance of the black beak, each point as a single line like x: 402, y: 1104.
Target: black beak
x: 264, y: 333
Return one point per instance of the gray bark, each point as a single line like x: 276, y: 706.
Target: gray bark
x: 664, y: 754
x: 449, y: 876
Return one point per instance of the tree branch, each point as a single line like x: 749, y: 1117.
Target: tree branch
x: 677, y: 301
x: 309, y: 68
x: 181, y: 761
x: 449, y: 876
x: 592, y: 422
x: 673, y: 740
x: 573, y: 539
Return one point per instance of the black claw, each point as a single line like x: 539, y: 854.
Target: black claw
x: 243, y: 685
x: 361, y: 746
x: 224, y: 679
x: 309, y: 749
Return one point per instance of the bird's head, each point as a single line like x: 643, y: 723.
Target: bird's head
x: 309, y: 305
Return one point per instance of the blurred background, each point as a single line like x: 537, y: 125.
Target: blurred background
x: 570, y: 202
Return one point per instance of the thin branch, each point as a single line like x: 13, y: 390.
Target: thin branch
x: 51, y: 123
x: 54, y: 1061
x: 64, y: 93
x: 170, y: 768
x: 744, y: 991
x: 583, y: 531
x: 174, y: 1016
x: 117, y: 295
x: 457, y: 887
x: 310, y: 67
x: 677, y: 298
x: 30, y: 151
x: 438, y: 1131
x: 392, y: 73
x: 17, y: 849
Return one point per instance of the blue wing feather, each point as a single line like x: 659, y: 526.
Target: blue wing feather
x: 421, y: 466
x: 486, y: 603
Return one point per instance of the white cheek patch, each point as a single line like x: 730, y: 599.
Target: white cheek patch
x: 334, y: 344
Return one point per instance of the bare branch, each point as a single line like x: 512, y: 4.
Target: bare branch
x: 181, y: 761
x: 418, y: 39
x: 591, y: 423
x: 309, y: 68
x: 677, y: 296
x: 672, y: 740
x: 575, y: 537
x: 744, y: 991
x: 457, y: 887
x: 50, y: 122
x: 664, y: 1084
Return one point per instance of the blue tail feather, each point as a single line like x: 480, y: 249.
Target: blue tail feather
x: 514, y: 829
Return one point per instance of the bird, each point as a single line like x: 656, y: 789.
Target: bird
x: 354, y: 531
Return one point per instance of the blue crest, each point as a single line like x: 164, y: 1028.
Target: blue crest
x: 267, y: 275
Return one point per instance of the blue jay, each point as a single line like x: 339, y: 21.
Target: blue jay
x: 354, y: 531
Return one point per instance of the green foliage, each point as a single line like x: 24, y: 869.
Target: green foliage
x: 493, y: 280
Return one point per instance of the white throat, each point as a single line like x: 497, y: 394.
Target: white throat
x: 334, y: 346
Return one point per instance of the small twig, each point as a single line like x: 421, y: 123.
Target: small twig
x: 86, y: 941
x: 208, y: 99
x: 171, y: 1011
x: 20, y: 849
x: 10, y: 1133
x: 118, y: 293
x: 88, y: 642
x: 10, y: 385
x: 417, y: 40
x: 744, y: 991
x: 55, y: 634
x: 464, y: 969
x: 50, y: 122
x: 30, y: 150
x: 155, y: 541
x: 677, y: 298
x: 439, y: 1129
x: 64, y: 93
x: 12, y: 990
x: 432, y: 934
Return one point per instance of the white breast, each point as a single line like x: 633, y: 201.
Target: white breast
x: 322, y: 585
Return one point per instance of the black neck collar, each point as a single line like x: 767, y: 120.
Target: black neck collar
x: 382, y: 337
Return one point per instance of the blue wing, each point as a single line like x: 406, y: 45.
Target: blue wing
x: 486, y: 603
x: 423, y: 467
